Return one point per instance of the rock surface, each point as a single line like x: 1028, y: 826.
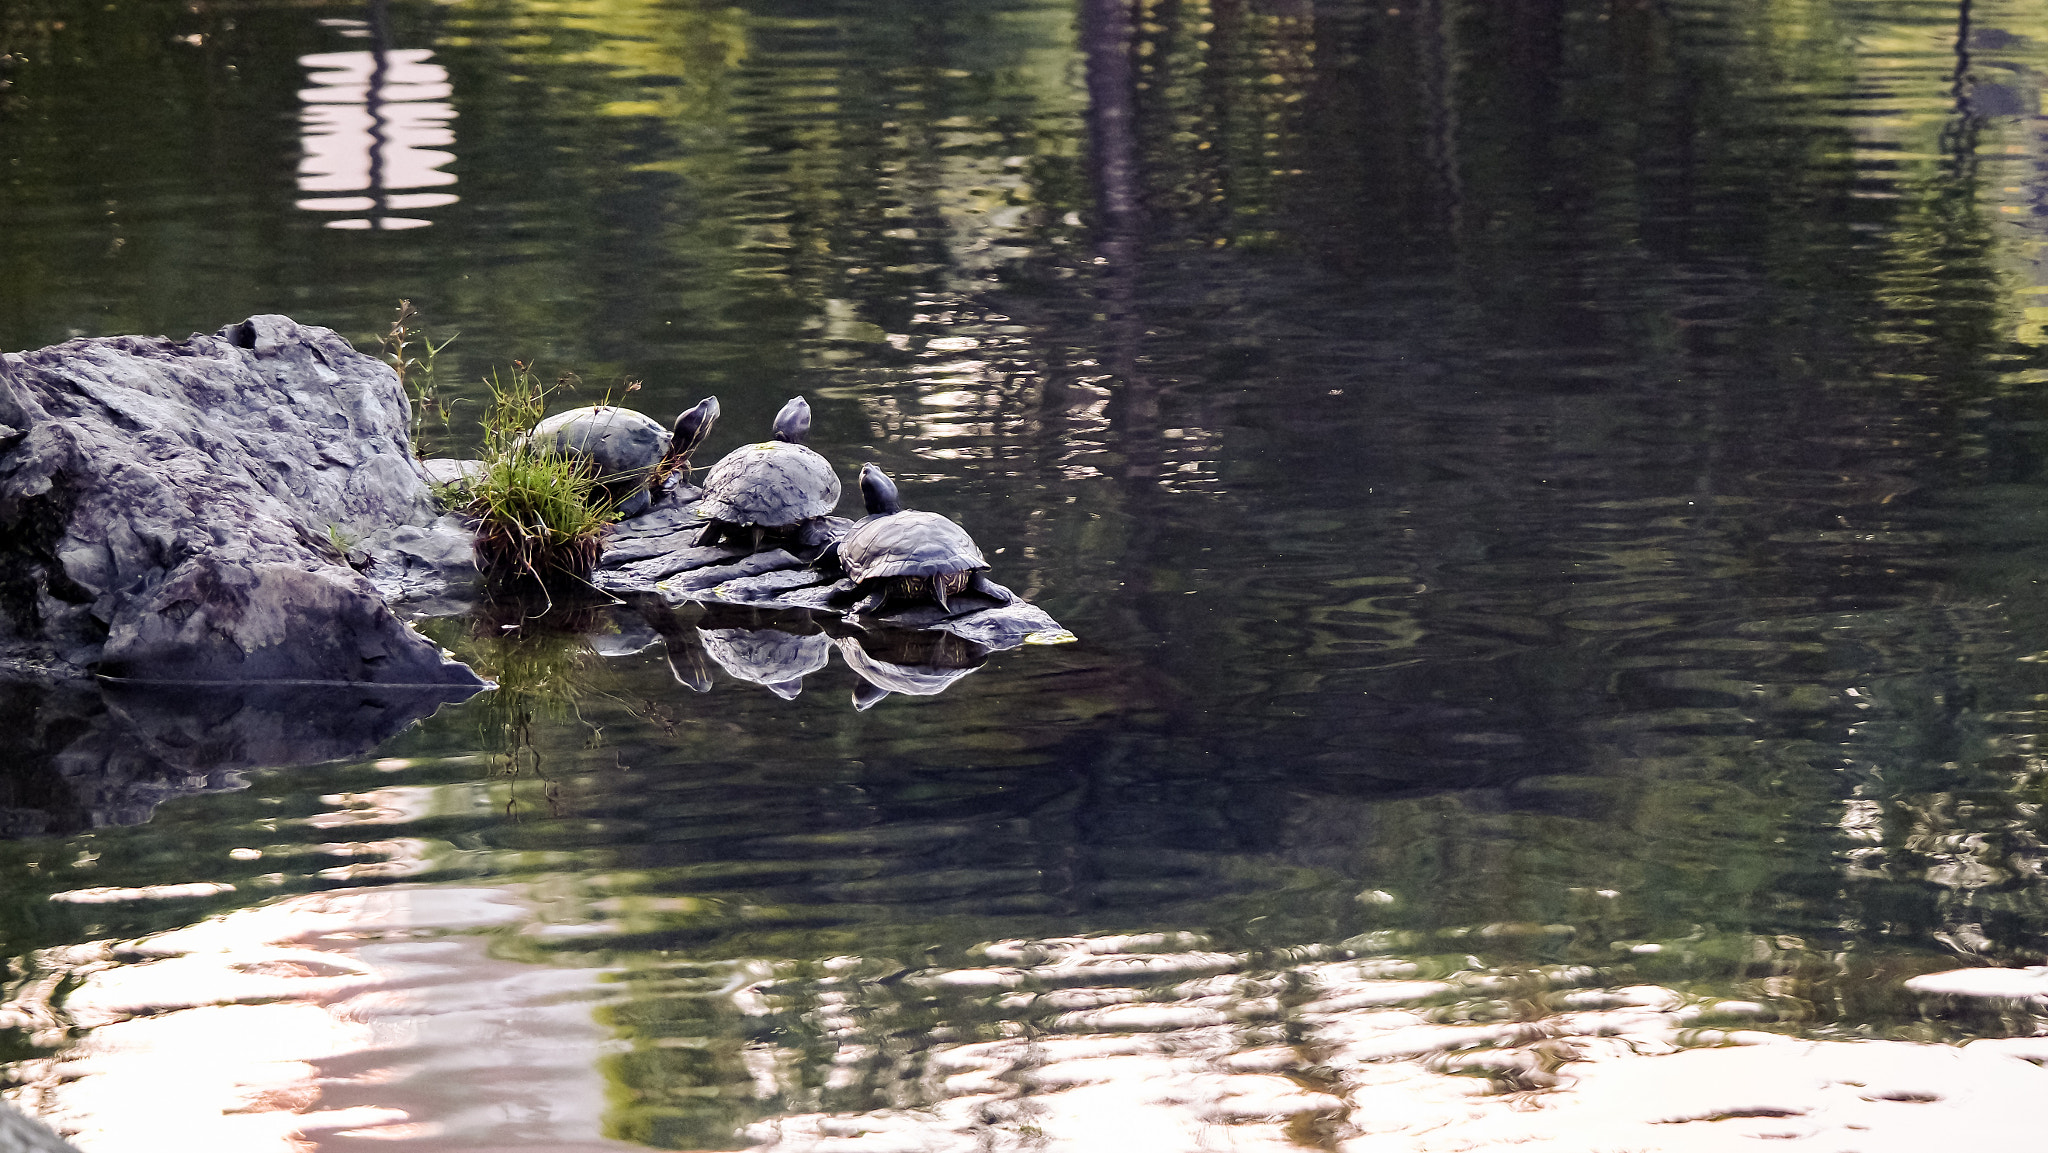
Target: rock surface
x: 656, y: 554
x: 431, y: 568
x: 20, y: 1134
x: 183, y: 510
x: 199, y: 511
x: 446, y: 472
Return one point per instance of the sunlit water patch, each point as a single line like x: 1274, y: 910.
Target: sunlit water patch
x: 538, y: 1015
x: 354, y: 1014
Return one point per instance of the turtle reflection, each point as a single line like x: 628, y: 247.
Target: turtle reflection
x: 686, y: 659
x: 679, y: 638
x: 778, y: 648
x: 917, y: 663
x: 775, y: 649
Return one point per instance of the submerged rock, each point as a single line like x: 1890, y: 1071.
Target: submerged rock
x: 184, y: 510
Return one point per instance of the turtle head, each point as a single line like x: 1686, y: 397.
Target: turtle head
x: 793, y: 423
x: 692, y: 427
x: 878, y: 492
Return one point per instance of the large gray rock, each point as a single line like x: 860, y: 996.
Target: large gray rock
x: 170, y: 510
x: 429, y: 569
x: 22, y: 1134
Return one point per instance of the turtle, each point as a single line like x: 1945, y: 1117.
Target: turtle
x: 621, y: 447
x: 625, y: 448
x: 907, y: 555
x: 776, y: 488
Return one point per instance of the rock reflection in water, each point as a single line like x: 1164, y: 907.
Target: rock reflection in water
x: 89, y: 756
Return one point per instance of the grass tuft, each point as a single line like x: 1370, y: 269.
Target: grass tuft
x: 541, y: 515
x: 411, y: 355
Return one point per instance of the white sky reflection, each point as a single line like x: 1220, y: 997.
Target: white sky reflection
x: 375, y: 124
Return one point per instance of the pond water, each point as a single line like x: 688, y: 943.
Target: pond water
x: 1550, y: 494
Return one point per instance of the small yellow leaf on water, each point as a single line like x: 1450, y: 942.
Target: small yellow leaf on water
x: 1050, y: 637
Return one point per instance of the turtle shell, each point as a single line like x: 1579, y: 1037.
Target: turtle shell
x: 773, y: 484
x: 621, y: 445
x: 909, y: 543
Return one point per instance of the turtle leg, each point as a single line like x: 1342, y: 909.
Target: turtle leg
x: 980, y: 583
x: 877, y: 596
x: 709, y: 534
x: 760, y: 537
x: 827, y: 559
x: 939, y: 593
x: 818, y: 533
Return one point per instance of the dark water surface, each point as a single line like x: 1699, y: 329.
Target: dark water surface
x: 1551, y: 495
